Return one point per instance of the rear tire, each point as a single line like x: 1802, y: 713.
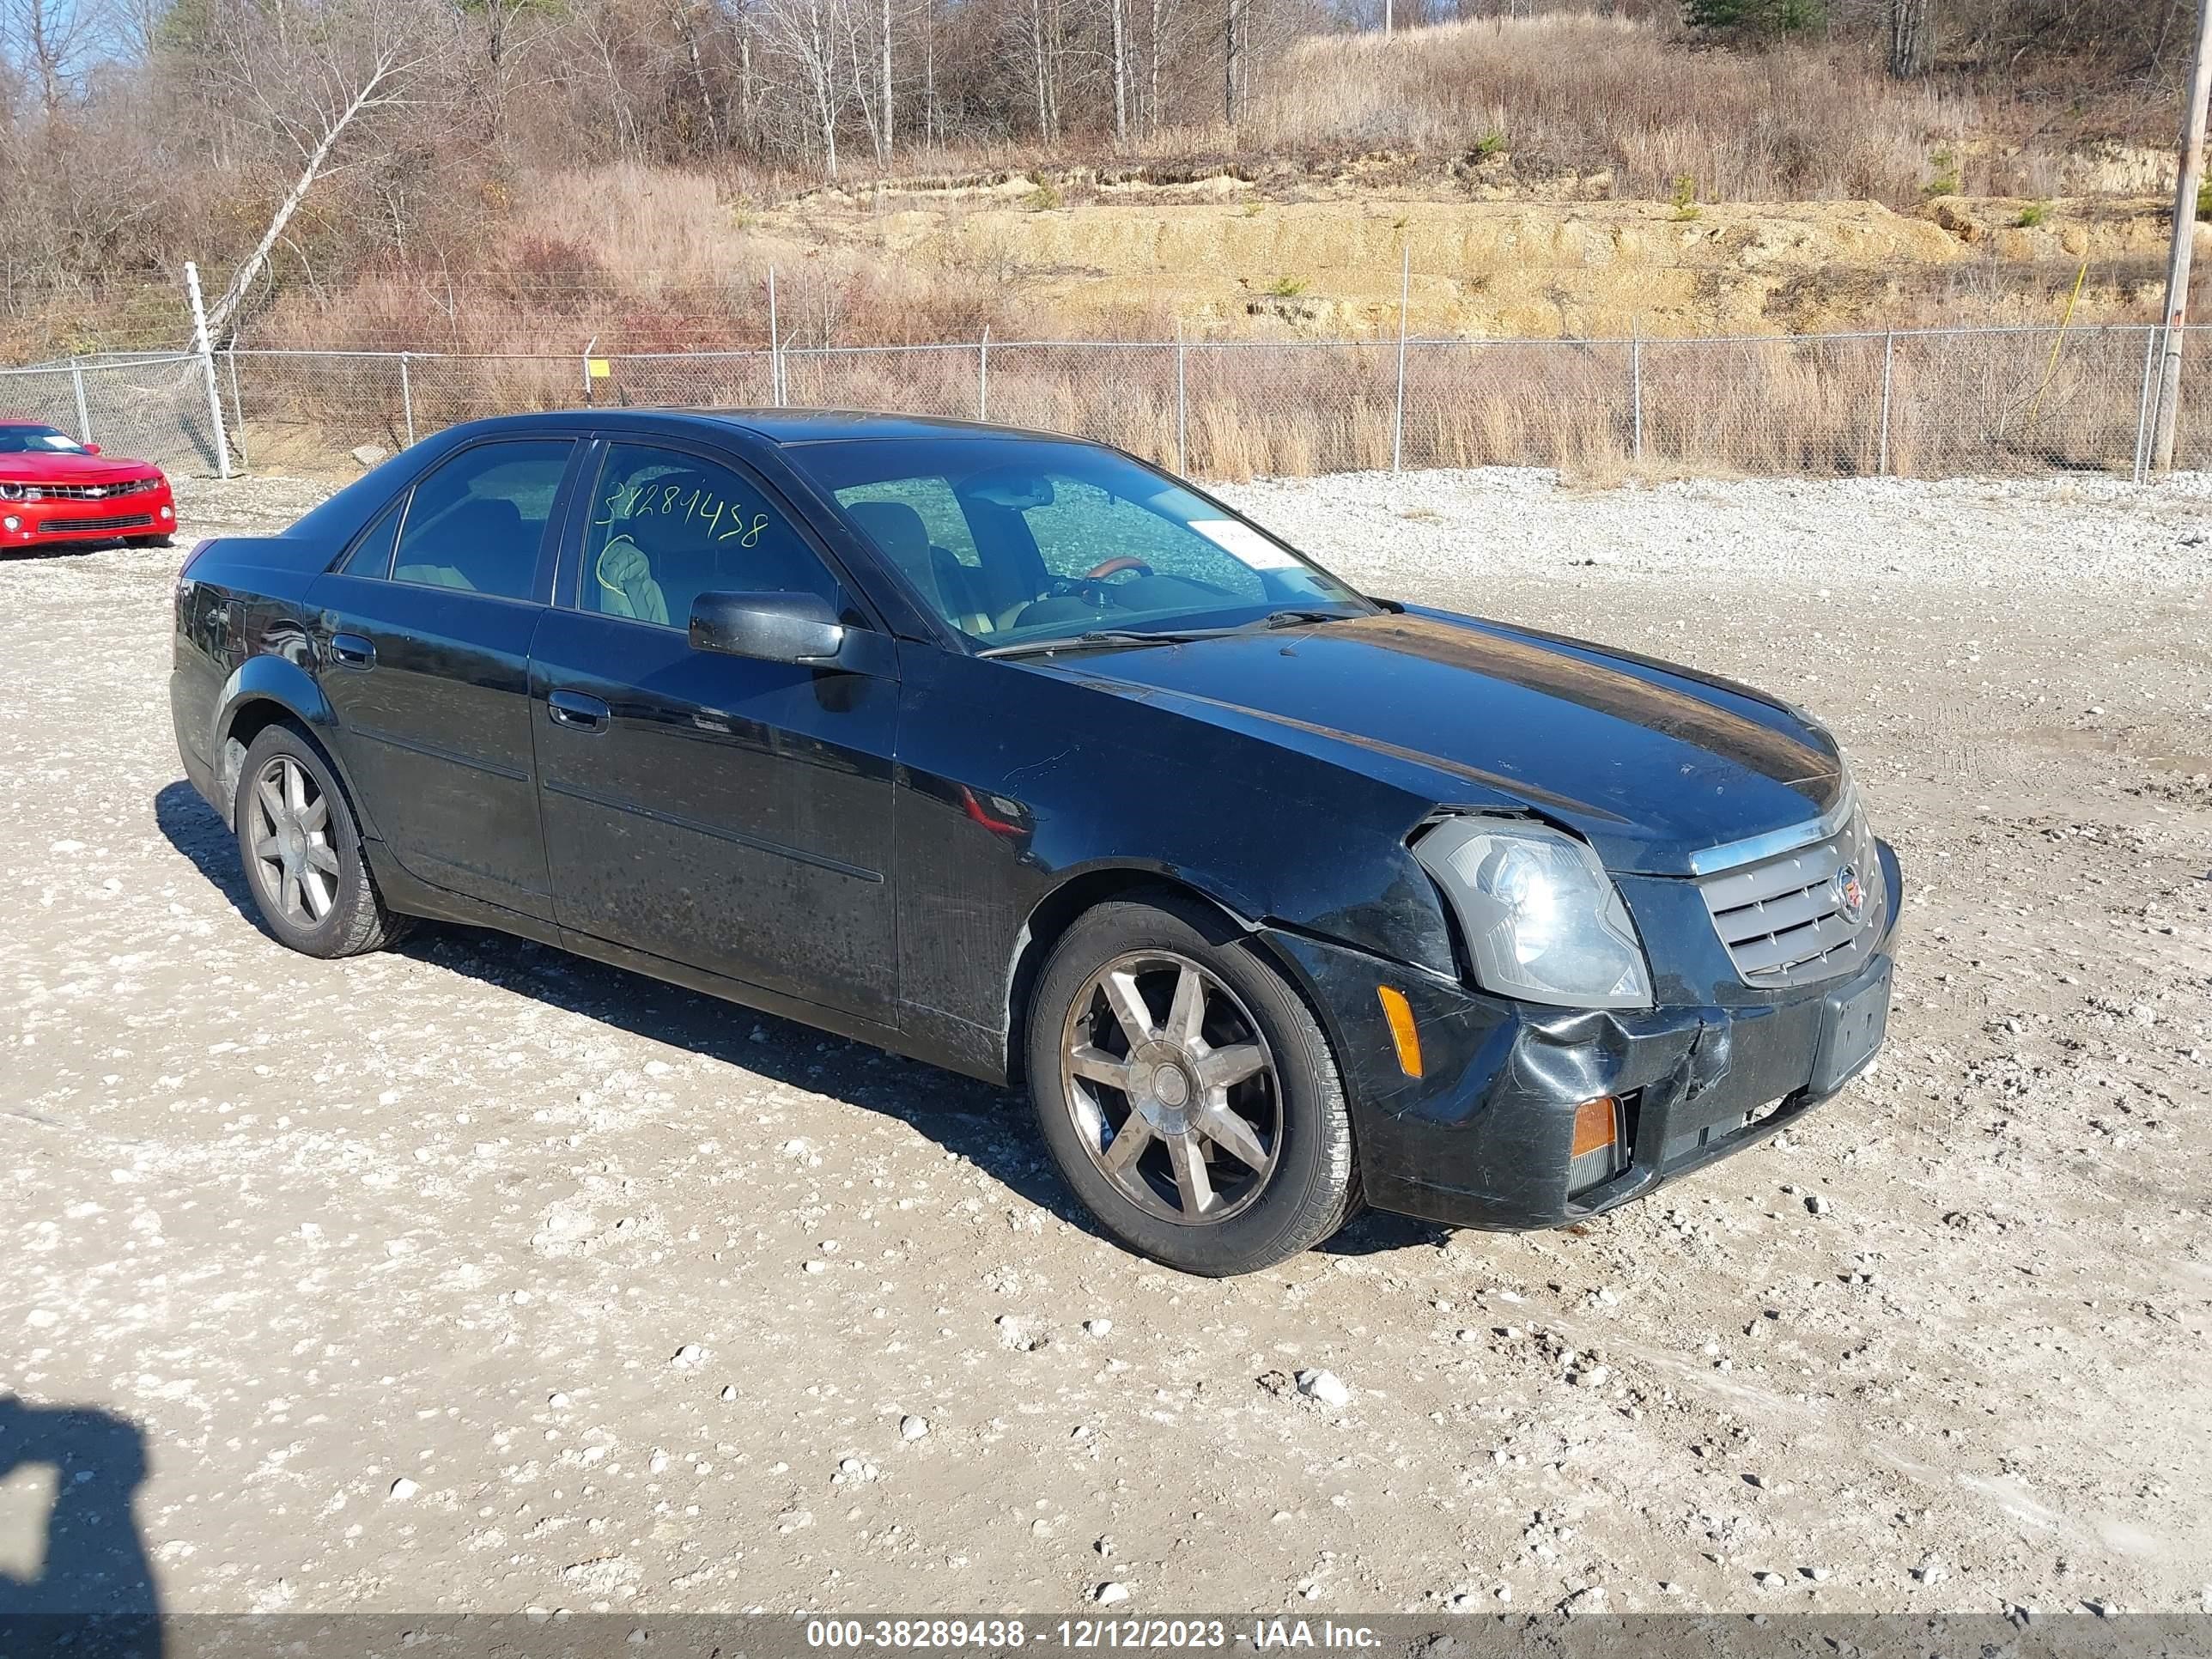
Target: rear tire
x: 1186, y: 1092
x: 301, y: 850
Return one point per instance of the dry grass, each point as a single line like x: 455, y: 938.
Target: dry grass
x: 643, y: 259
x: 1579, y: 94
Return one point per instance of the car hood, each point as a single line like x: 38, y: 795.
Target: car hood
x: 1649, y: 762
x: 54, y: 466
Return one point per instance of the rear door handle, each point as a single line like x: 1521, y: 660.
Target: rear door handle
x: 575, y: 710
x: 352, y: 651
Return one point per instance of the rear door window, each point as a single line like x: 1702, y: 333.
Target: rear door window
x: 370, y: 555
x: 477, y: 522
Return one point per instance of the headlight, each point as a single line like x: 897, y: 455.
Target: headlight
x: 14, y: 492
x: 1544, y: 921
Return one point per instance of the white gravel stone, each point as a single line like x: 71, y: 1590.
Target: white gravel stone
x: 913, y: 1428
x: 1325, y: 1386
x: 1110, y: 1592
x: 688, y: 1356
x: 403, y: 1489
x: 1098, y: 1327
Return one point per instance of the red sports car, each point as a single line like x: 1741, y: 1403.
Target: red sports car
x: 54, y: 489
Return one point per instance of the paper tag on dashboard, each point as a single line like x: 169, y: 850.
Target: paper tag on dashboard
x: 1245, y: 543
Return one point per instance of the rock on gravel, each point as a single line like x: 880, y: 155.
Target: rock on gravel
x: 1324, y: 1386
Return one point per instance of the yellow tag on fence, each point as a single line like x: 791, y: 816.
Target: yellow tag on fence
x: 598, y: 367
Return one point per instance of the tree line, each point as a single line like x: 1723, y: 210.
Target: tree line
x: 317, y: 134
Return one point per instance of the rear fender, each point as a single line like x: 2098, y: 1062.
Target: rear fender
x: 258, y: 681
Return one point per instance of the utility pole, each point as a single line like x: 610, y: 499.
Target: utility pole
x: 2191, y: 173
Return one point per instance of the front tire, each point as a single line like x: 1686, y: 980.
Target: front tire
x: 148, y: 541
x: 301, y: 851
x: 1186, y: 1092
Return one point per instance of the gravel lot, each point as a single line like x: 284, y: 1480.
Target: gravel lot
x: 477, y: 1277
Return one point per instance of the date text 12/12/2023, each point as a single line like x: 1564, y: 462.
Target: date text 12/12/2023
x: 1084, y: 1635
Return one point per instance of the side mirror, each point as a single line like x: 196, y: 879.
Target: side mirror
x: 92, y: 449
x: 800, y: 628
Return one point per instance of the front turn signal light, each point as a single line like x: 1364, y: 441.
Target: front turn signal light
x: 1404, y: 1034
x: 1596, y: 1152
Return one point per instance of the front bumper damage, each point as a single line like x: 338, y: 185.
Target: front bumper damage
x: 1483, y: 1137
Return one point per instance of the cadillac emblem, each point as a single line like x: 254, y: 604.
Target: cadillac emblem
x: 1851, y: 893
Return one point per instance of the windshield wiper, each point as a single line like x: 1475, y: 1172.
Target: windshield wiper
x: 1106, y: 638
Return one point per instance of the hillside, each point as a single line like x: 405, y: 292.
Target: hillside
x: 1565, y: 174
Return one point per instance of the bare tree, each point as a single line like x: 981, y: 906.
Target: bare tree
x: 679, y: 14
x: 889, y: 123
x: 806, y: 33
x: 51, y: 40
x: 1911, y: 37
x: 315, y: 90
x: 1121, y: 77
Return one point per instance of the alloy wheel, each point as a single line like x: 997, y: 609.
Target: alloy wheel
x: 289, y: 823
x: 1172, y: 1088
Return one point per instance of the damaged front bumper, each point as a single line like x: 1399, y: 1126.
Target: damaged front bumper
x: 1484, y: 1137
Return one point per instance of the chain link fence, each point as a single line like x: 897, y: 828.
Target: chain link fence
x: 153, y: 407
x: 1940, y: 402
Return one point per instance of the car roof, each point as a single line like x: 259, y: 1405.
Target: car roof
x: 781, y: 427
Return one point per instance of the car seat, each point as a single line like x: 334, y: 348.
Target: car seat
x: 624, y: 577
x: 900, y: 536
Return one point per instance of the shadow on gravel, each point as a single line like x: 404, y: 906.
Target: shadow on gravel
x: 91, y: 1558
x: 990, y: 1127
x: 192, y: 828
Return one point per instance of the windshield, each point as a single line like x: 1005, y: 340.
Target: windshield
x: 1017, y: 540
x: 37, y: 440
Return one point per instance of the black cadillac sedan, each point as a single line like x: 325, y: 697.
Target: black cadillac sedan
x: 1017, y: 756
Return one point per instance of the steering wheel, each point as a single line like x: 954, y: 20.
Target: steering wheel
x: 1114, y: 567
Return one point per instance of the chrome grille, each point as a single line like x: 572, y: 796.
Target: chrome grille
x: 99, y: 492
x: 1783, y: 919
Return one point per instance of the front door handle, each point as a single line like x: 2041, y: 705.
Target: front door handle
x: 575, y: 710
x: 352, y: 651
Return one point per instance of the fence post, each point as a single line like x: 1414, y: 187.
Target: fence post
x: 775, y: 346
x: 1881, y: 447
x: 2142, y: 407
x: 407, y: 398
x: 203, y: 348
x: 1398, y: 407
x: 1182, y: 408
x: 983, y: 376
x: 237, y: 405
x: 83, y: 415
x: 1636, y: 389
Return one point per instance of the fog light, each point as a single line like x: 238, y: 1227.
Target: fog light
x: 168, y: 512
x: 1595, y: 1156
x: 1403, y: 1033
x: 12, y: 522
